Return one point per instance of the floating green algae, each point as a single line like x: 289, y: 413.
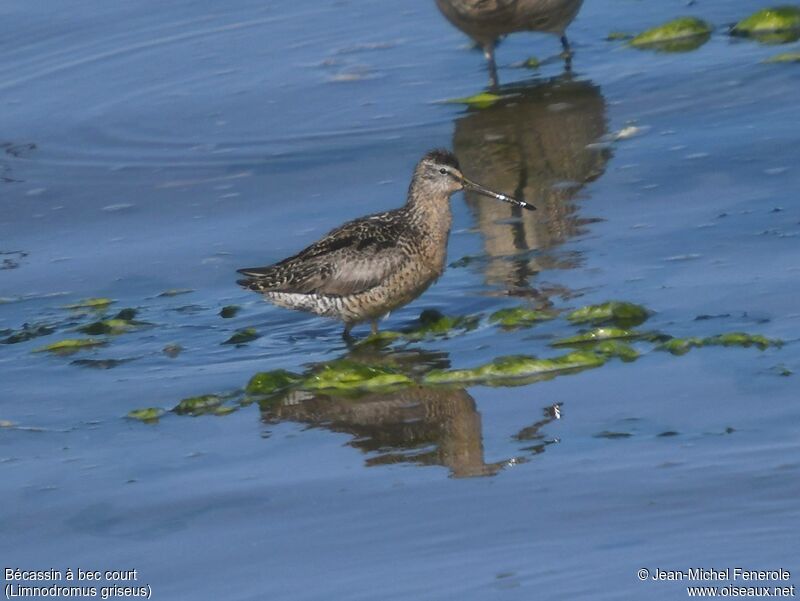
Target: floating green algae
x: 121, y: 323
x: 615, y: 36
x: 620, y: 313
x: 229, y: 311
x: 28, y: 332
x: 743, y: 339
x: 481, y: 100
x: 520, y: 317
x: 779, y: 18
x: 597, y: 335
x: 148, y: 415
x: 430, y: 324
x: 350, y: 375
x: 786, y: 57
x: 616, y: 348
x: 107, y: 326
x: 679, y: 35
x: 433, y: 323
x: 681, y: 346
x: 242, y: 336
x: 198, y: 405
x: 516, y: 367
x: 91, y: 303
x: 778, y: 25
x: 532, y: 63
x: 70, y: 345
x: 127, y: 314
x: 269, y: 382
x: 380, y: 338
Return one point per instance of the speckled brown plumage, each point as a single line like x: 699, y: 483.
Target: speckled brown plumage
x: 370, y: 266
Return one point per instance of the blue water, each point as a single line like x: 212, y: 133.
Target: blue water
x: 149, y: 147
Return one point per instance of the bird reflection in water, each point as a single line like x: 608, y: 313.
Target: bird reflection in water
x: 418, y: 425
x: 535, y: 143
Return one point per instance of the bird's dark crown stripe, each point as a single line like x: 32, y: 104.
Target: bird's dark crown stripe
x: 442, y: 157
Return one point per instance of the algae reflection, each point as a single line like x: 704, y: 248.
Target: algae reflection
x: 536, y: 142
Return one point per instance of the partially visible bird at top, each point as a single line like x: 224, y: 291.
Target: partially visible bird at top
x: 486, y: 21
x: 370, y: 266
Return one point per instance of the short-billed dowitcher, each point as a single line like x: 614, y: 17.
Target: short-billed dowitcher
x: 370, y: 266
x: 485, y: 21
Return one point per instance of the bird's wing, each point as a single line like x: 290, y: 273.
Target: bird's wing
x: 351, y: 259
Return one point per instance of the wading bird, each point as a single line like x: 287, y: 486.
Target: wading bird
x: 370, y: 266
x: 486, y: 21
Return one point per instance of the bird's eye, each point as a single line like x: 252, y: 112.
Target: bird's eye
x: 443, y: 171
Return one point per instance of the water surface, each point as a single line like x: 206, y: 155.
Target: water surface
x: 150, y: 147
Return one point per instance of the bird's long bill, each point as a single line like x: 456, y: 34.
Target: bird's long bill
x: 470, y: 185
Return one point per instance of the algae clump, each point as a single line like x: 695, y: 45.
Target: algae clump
x: 615, y: 348
x: 91, y: 303
x: 619, y: 35
x: 681, y: 346
x: 198, y: 405
x: 786, y: 57
x: 433, y: 323
x: 242, y: 336
x: 779, y: 18
x: 679, y: 35
x: 430, y: 324
x: 620, y: 313
x: 519, y: 317
x: 229, y: 311
x: 532, y: 63
x: 269, y: 382
x: 107, y: 326
x: 482, y: 100
x: 516, y: 367
x: 121, y: 323
x: 596, y: 335
x: 28, y: 332
x: 350, y: 375
x: 148, y: 415
x: 70, y: 345
x: 777, y: 25
x: 743, y: 339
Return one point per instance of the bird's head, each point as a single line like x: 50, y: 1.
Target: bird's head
x: 438, y: 172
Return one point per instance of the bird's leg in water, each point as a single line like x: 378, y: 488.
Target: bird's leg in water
x: 374, y: 323
x: 348, y: 337
x: 567, y: 54
x: 488, y: 52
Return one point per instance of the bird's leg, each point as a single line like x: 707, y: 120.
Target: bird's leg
x: 567, y: 54
x: 374, y: 323
x: 488, y: 52
x: 348, y: 337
